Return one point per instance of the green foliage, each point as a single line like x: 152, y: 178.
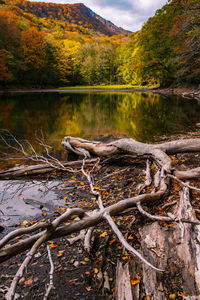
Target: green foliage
x: 96, y: 63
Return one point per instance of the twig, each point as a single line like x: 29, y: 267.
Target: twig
x: 183, y: 183
x: 148, y: 174
x: 116, y: 173
x: 125, y: 243
x: 152, y: 217
x: 50, y: 285
x: 169, y: 204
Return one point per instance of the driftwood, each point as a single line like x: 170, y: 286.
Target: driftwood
x: 164, y: 250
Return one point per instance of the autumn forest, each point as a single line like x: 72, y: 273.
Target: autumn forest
x: 52, y: 45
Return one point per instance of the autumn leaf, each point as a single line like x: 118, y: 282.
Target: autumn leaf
x: 22, y: 280
x: 63, y: 208
x: 28, y: 282
x: 60, y: 253
x: 83, y: 262
x: 87, y: 273
x: 134, y: 281
x: 113, y: 241
x: 96, y: 187
x: 183, y: 295
x: 26, y: 223
x: 125, y: 258
x: 53, y: 245
x: 104, y: 234
x: 72, y: 282
x: 96, y: 270
x: 172, y: 296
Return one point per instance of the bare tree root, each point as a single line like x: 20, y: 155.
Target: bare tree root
x: 160, y: 187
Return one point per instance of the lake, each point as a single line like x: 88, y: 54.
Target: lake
x: 29, y: 116
x: 142, y: 116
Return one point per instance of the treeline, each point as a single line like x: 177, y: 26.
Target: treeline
x: 40, y: 52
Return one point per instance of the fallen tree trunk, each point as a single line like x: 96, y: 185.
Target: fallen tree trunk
x: 40, y: 169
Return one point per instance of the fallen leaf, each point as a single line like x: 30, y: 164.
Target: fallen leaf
x: 53, y: 245
x: 44, y: 214
x: 113, y: 241
x: 172, y: 296
x: 83, y: 262
x: 60, y: 253
x: 87, y: 273
x: 63, y: 208
x: 28, y: 282
x: 134, y: 281
x: 22, y: 280
x: 86, y: 259
x: 183, y: 295
x: 96, y: 270
x: 88, y: 288
x: 125, y: 258
x: 25, y: 223
x: 96, y: 187
x: 104, y: 234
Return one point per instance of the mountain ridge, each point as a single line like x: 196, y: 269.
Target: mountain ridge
x: 77, y: 13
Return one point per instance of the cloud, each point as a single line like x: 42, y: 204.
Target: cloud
x: 129, y: 14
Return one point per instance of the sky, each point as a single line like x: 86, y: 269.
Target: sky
x: 129, y: 14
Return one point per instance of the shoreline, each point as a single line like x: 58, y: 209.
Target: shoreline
x: 193, y: 93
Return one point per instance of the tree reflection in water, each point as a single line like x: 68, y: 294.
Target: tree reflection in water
x: 142, y: 116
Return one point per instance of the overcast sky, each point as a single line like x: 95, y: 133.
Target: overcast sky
x: 129, y: 14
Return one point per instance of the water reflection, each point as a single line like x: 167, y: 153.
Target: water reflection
x: 139, y: 115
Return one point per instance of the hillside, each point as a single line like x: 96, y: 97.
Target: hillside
x: 77, y: 14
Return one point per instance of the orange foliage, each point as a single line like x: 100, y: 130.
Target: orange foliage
x: 33, y: 43
x: 4, y: 75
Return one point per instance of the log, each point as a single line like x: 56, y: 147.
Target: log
x: 40, y: 169
x: 177, y: 250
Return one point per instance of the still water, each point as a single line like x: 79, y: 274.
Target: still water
x: 29, y: 116
x: 142, y: 116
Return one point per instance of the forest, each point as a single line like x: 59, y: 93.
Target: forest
x: 52, y: 47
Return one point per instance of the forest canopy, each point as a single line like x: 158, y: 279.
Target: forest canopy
x: 44, y: 45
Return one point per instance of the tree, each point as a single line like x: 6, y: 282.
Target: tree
x: 186, y: 34
x: 4, y: 73
x: 33, y: 43
x: 96, y: 63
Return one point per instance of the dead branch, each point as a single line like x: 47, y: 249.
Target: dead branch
x: 50, y: 285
